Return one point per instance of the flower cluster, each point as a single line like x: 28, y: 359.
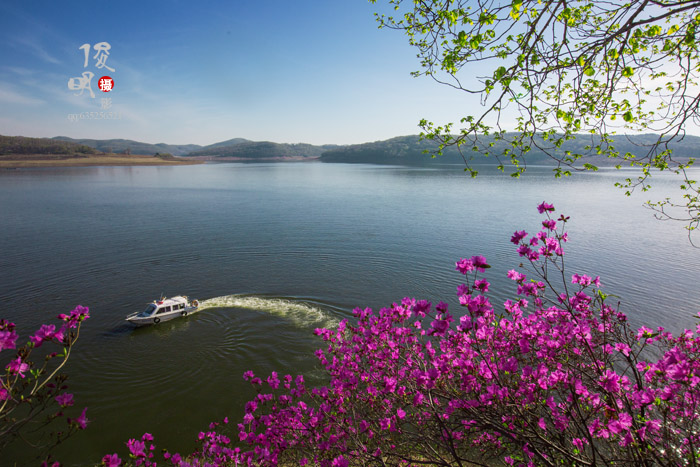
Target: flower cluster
x: 35, y: 396
x: 214, y: 450
x: 555, y: 377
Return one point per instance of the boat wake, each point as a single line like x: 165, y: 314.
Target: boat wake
x: 301, y: 314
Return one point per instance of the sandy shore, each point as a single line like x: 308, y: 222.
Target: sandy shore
x: 41, y: 160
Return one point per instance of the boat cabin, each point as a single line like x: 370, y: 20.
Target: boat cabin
x: 164, y: 309
x: 159, y: 307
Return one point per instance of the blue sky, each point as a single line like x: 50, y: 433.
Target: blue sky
x: 314, y: 71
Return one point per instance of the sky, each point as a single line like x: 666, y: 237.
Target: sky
x: 311, y: 71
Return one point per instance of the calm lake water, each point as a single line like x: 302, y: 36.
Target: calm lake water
x: 274, y: 251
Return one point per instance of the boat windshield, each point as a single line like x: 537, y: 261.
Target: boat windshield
x: 147, y: 312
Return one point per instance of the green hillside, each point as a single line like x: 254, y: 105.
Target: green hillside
x: 120, y: 146
x: 22, y: 145
x: 411, y: 150
x: 261, y: 150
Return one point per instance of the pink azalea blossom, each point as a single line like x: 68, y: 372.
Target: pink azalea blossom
x: 111, y: 460
x: 17, y: 366
x: 82, y: 421
x: 517, y: 236
x: 622, y: 423
x: 516, y: 276
x: 480, y: 263
x: 464, y: 266
x: 8, y: 340
x: 45, y: 333
x: 65, y: 399
x: 544, y: 207
x: 136, y: 448
x: 549, y: 224
x: 561, y: 361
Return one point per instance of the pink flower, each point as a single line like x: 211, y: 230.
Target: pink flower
x: 45, y: 333
x: 111, y: 460
x: 273, y: 380
x: 516, y: 276
x: 644, y: 332
x: 623, y: 348
x: 462, y: 289
x: 524, y: 250
x: 136, y: 448
x: 480, y: 263
x: 65, y: 399
x: 482, y: 285
x: 610, y: 381
x: 544, y: 207
x: 464, y: 266
x: 549, y: 224
x: 583, y: 280
x: 81, y: 421
x: 439, y: 326
x: 8, y: 340
x: 17, y: 366
x: 422, y: 307
x: 80, y: 313
x: 623, y: 423
x: 653, y: 425
x: 517, y: 236
x: 418, y: 399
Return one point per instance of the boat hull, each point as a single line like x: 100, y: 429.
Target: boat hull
x: 162, y: 317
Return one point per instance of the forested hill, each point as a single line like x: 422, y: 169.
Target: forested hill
x: 120, y: 146
x: 260, y: 150
x: 22, y: 145
x: 399, y: 150
x: 410, y: 150
x: 402, y: 150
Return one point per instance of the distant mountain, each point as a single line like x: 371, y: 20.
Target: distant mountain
x: 134, y: 147
x: 409, y: 150
x: 260, y: 150
x: 402, y: 150
x: 399, y: 150
x: 230, y: 142
x: 24, y: 145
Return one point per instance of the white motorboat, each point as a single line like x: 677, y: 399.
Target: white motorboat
x: 164, y: 309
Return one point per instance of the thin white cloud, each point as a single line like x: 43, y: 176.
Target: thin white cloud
x: 12, y: 96
x: 36, y: 49
x: 17, y: 70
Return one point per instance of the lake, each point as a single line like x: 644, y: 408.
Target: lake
x: 275, y: 250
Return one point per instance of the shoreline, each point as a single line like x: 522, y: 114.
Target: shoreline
x: 37, y: 161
